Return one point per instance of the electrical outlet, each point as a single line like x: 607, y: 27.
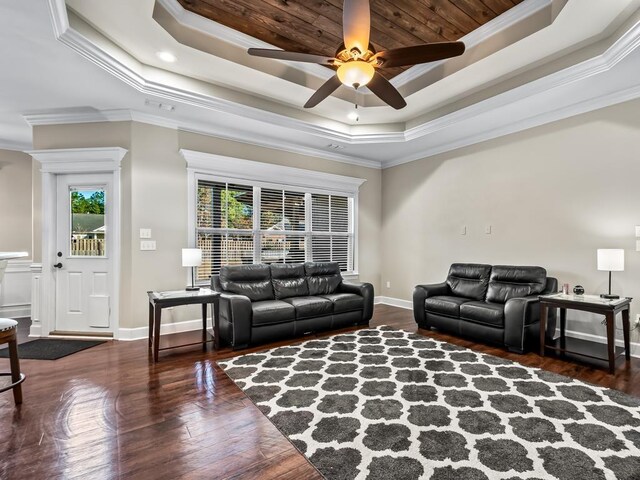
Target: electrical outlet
x: 388, y: 284
x: 147, y: 245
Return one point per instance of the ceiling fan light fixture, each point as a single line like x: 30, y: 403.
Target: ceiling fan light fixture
x: 356, y: 73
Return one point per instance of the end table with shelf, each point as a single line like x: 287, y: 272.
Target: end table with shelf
x: 160, y: 300
x: 587, y: 303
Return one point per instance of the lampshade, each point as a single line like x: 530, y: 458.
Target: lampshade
x: 356, y: 73
x: 611, y: 259
x: 191, y: 257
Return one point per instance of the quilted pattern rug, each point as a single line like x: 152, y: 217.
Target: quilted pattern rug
x: 387, y: 404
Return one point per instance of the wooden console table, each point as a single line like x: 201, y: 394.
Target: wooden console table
x: 160, y: 300
x: 587, y: 303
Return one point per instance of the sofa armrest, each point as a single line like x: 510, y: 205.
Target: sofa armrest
x: 365, y: 290
x: 236, y: 310
x: 551, y: 286
x: 421, y: 293
x: 518, y: 313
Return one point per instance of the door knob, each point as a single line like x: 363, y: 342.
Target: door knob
x: 58, y: 265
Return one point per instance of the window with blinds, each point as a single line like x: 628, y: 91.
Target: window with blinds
x: 242, y: 224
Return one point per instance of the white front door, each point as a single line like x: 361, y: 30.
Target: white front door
x: 83, y: 259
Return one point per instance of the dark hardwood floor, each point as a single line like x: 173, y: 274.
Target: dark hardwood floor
x: 109, y: 412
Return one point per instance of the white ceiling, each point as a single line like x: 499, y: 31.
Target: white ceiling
x: 586, y: 58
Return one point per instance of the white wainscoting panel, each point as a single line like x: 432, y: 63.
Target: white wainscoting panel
x: 15, y: 290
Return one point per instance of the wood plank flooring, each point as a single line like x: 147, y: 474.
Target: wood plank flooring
x: 109, y: 412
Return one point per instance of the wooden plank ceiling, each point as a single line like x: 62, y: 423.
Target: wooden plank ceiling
x: 315, y: 26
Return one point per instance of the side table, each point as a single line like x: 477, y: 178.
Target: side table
x: 587, y: 303
x: 160, y: 300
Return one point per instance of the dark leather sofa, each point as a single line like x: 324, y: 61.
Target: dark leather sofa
x: 262, y: 303
x: 495, y: 304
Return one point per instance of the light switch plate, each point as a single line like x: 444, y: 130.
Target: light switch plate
x: 145, y: 233
x: 147, y: 245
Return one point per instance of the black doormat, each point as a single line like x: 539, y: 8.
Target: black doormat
x: 50, y: 348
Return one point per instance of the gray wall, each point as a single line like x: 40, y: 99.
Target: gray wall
x: 552, y: 195
x: 154, y: 195
x: 15, y: 201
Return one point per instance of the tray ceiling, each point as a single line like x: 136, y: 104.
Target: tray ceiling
x: 538, y: 62
x: 315, y: 26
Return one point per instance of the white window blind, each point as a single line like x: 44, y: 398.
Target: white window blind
x: 331, y: 229
x: 238, y: 223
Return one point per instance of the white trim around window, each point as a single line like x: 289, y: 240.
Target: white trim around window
x: 220, y: 168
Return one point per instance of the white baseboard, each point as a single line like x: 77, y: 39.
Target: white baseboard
x: 394, y: 302
x: 139, y: 333
x: 635, y: 347
x: 15, y: 290
x: 35, y: 330
x: 15, y: 311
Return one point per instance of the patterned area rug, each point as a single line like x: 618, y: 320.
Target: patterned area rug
x: 387, y: 404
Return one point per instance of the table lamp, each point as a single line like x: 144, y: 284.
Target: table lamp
x: 192, y: 257
x: 610, y: 260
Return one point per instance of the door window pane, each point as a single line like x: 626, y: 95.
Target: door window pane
x: 88, y: 229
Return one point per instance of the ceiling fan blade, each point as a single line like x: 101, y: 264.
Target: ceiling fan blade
x: 323, y: 92
x: 292, y: 56
x: 429, y: 52
x: 356, y: 24
x: 386, y: 92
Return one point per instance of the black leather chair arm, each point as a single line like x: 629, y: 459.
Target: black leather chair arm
x: 519, y: 312
x: 365, y: 290
x: 236, y: 309
x: 421, y: 293
x: 551, y: 287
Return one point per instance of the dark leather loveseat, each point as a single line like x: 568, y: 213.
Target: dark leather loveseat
x: 496, y: 304
x: 262, y: 303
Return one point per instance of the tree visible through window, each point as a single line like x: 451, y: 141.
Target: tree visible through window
x: 243, y: 224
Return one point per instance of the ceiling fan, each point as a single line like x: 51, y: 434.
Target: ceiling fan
x: 356, y: 61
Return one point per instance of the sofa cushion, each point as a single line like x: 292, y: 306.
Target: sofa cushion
x: 323, y: 278
x: 289, y: 280
x: 509, y: 282
x: 445, y: 305
x: 269, y: 312
x: 483, y: 312
x: 307, y: 307
x: 469, y: 280
x: 253, y: 281
x: 345, y: 302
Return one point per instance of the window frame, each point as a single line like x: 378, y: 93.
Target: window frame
x: 215, y: 168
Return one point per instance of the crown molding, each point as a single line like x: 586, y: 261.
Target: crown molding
x: 14, y: 146
x: 519, y: 126
x: 123, y: 115
x: 63, y: 160
x: 92, y: 52
x: 238, y: 168
x: 519, y: 109
x: 523, y: 107
x: 191, y: 20
x: 493, y: 27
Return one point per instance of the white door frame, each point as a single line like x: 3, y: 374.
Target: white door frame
x: 63, y: 161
